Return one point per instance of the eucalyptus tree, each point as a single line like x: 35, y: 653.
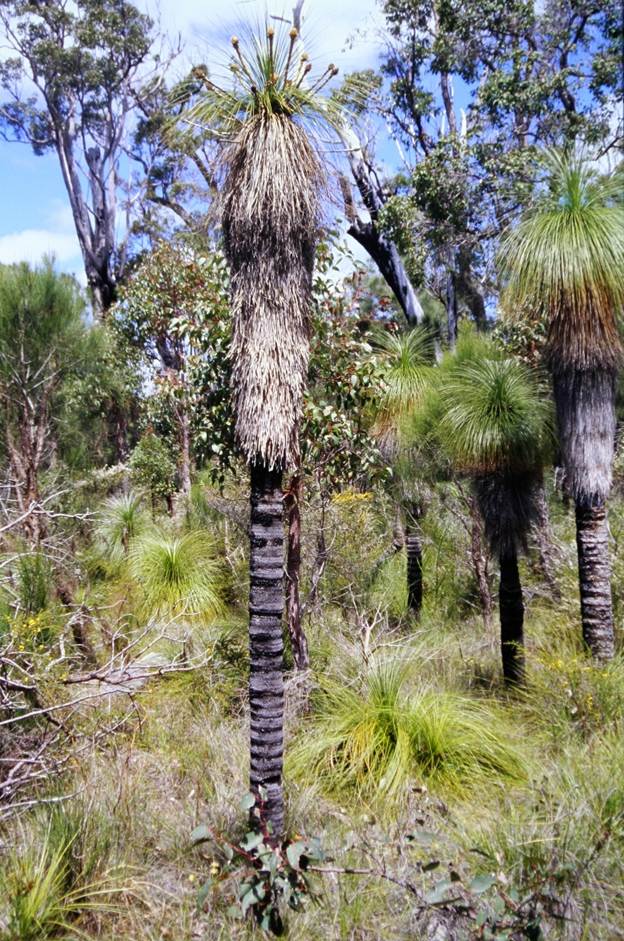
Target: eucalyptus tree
x: 43, y: 342
x: 564, y: 261
x: 525, y: 74
x: 74, y: 75
x: 174, y: 309
x: 494, y: 425
x: 270, y: 212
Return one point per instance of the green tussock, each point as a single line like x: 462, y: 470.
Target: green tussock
x: 376, y: 740
x: 569, y: 838
x: 494, y: 416
x: 122, y: 519
x: 177, y: 575
x: 58, y: 879
x: 405, y: 358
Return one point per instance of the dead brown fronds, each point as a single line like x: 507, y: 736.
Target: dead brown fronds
x: 270, y: 218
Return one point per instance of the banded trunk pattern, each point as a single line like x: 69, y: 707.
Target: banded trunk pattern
x: 511, y: 610
x: 298, y: 640
x: 592, y: 540
x: 266, y: 645
x: 413, y: 549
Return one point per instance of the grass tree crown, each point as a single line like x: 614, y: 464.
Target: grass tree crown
x: 270, y: 213
x: 496, y: 419
x: 566, y: 257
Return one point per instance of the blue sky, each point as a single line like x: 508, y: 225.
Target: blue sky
x: 36, y: 218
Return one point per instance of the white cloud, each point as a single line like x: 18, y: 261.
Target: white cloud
x: 31, y: 244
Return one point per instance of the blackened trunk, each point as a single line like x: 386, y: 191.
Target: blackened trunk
x: 266, y: 645
x: 413, y: 550
x: 592, y: 540
x: 511, y: 609
x: 298, y: 641
x: 386, y: 256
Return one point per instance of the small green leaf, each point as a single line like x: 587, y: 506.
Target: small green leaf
x: 423, y: 837
x: 255, y: 894
x: 294, y: 853
x: 251, y: 841
x: 248, y: 801
x: 200, y: 835
x: 481, y: 884
x: 204, y: 892
x: 439, y: 892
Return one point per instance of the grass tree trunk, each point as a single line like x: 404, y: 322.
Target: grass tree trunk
x: 413, y: 549
x: 266, y: 645
x: 586, y: 418
x: 511, y: 610
x: 298, y: 640
x: 592, y: 540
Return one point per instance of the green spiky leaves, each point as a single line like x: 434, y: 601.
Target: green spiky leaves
x: 495, y: 418
x: 178, y: 575
x: 271, y: 75
x: 566, y: 258
x: 375, y: 740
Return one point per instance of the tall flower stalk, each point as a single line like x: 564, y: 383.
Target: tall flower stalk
x: 270, y: 214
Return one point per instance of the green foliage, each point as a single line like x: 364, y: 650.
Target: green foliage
x: 495, y: 416
x: 152, y: 467
x: 34, y: 578
x: 565, y: 843
x: 268, y: 877
x: 121, y: 520
x: 178, y: 576
x: 102, y: 393
x: 49, y: 886
x: 575, y: 692
x: 373, y: 739
x: 340, y: 398
x: 565, y: 257
x: 41, y: 313
x: 269, y: 77
x: 404, y: 358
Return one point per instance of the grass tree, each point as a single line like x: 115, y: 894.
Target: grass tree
x: 405, y: 367
x: 120, y: 521
x: 494, y: 423
x: 178, y: 575
x: 565, y: 260
x: 270, y: 212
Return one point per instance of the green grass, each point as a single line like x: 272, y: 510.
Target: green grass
x: 177, y: 575
x: 375, y: 739
x: 59, y: 878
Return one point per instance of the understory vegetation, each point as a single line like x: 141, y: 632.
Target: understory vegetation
x: 460, y: 805
x: 312, y: 483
